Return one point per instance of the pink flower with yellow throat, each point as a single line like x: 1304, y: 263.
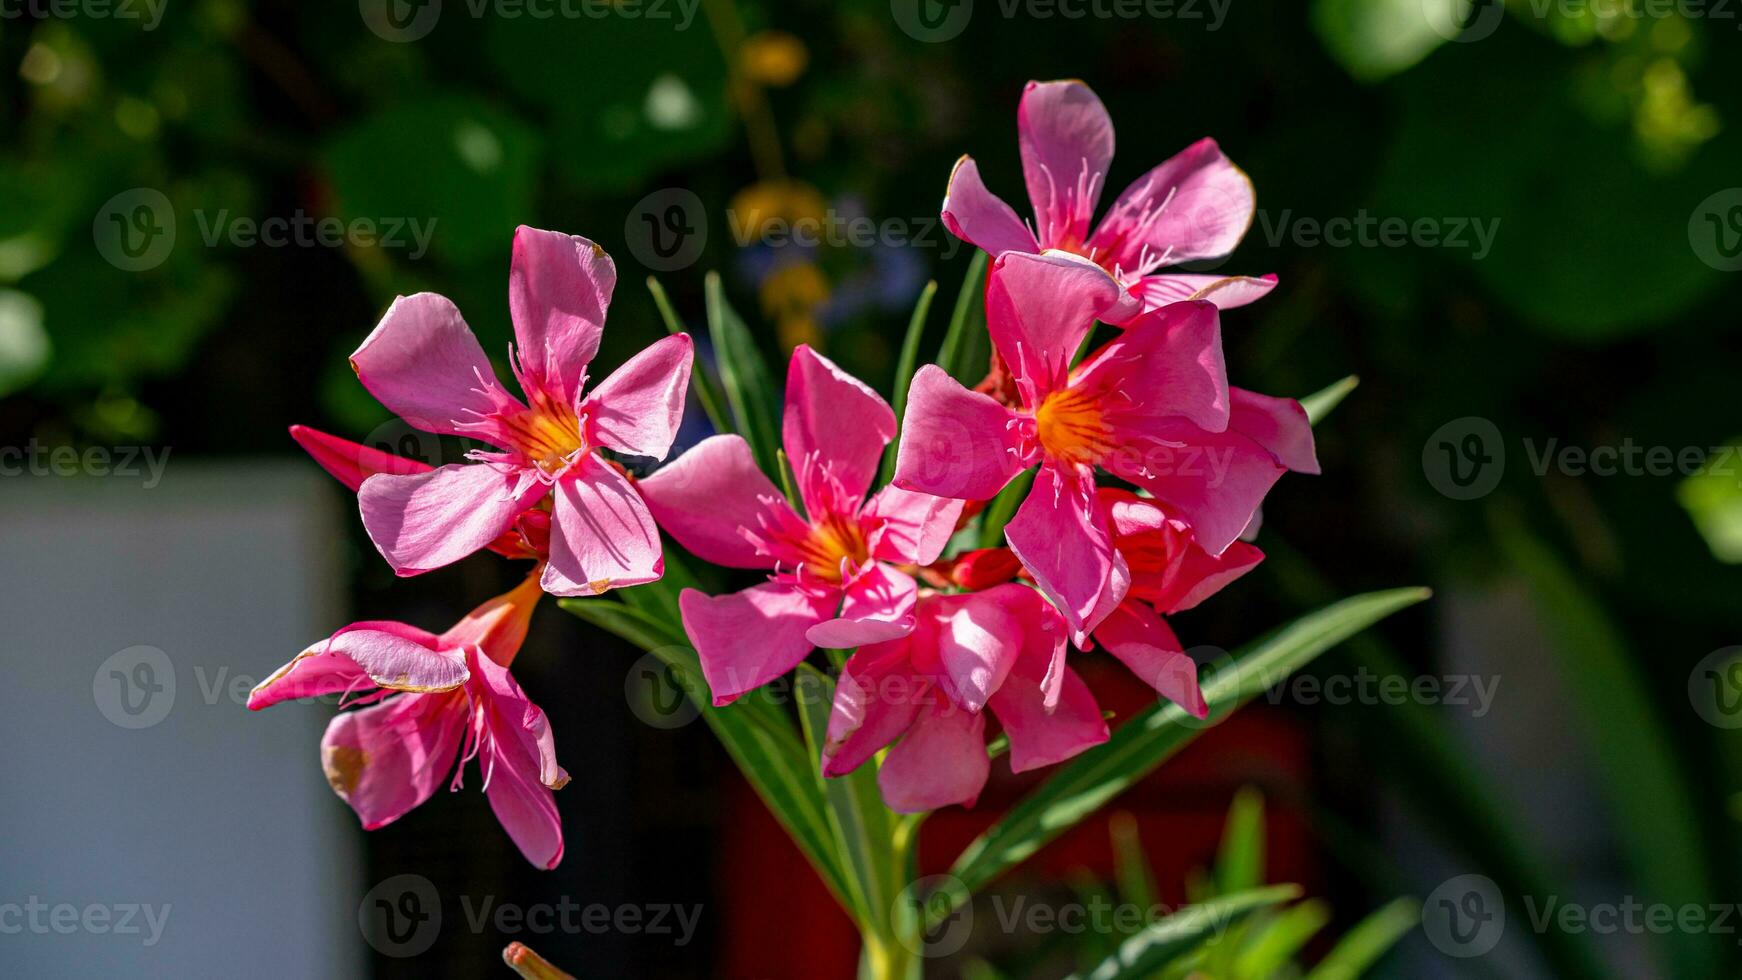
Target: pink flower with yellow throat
x: 423, y: 362
x: 834, y: 580
x: 418, y: 702
x: 1194, y: 206
x: 1152, y: 407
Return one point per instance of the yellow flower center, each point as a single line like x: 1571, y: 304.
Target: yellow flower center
x: 832, y: 540
x: 1070, y: 427
x: 548, y: 433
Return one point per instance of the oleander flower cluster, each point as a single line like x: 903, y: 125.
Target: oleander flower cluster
x: 1144, y: 472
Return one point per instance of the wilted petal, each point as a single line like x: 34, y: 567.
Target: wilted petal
x: 638, y: 408
x: 387, y: 758
x: 519, y: 763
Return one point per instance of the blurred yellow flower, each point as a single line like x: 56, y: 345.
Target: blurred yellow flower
x: 791, y: 295
x: 773, y: 58
x: 773, y: 206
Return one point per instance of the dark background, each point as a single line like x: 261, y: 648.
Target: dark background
x: 1598, y: 318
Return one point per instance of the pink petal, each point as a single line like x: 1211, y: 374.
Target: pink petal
x: 749, y: 638
x: 1280, y: 425
x: 1143, y: 641
x: 387, y: 758
x: 1166, y: 363
x: 362, y: 657
x: 426, y: 520
x: 911, y: 528
x: 1041, y: 735
x: 422, y: 362
x: 704, y: 496
x: 876, y: 700
x: 955, y: 442
x: 1042, y: 657
x: 1038, y: 310
x: 834, y: 432
x: 1215, y: 481
x: 979, y: 217
x: 976, y: 641
x: 559, y: 287
x: 638, y: 408
x: 601, y: 535
x: 519, y: 762
x: 1226, y: 292
x: 1066, y: 139
x: 1118, y: 586
x: 1059, y: 537
x: 941, y: 760
x: 351, y: 462
x: 1196, y: 205
x: 1175, y: 572
x: 877, y: 607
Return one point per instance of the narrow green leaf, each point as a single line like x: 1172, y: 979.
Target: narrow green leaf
x: 1368, y: 941
x: 863, y: 827
x: 1130, y: 863
x: 955, y: 345
x: 760, y: 740
x: 904, y: 368
x: 784, y: 465
x: 1319, y: 403
x: 744, y: 374
x: 699, y: 378
x: 1271, y: 948
x: 1240, y: 863
x: 1151, y: 949
x: 1153, y: 735
x: 1003, y: 507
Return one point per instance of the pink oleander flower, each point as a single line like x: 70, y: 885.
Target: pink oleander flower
x: 1152, y: 407
x: 834, y: 580
x: 1002, y: 649
x: 1158, y: 569
x: 423, y: 362
x: 1194, y: 206
x: 420, y: 702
